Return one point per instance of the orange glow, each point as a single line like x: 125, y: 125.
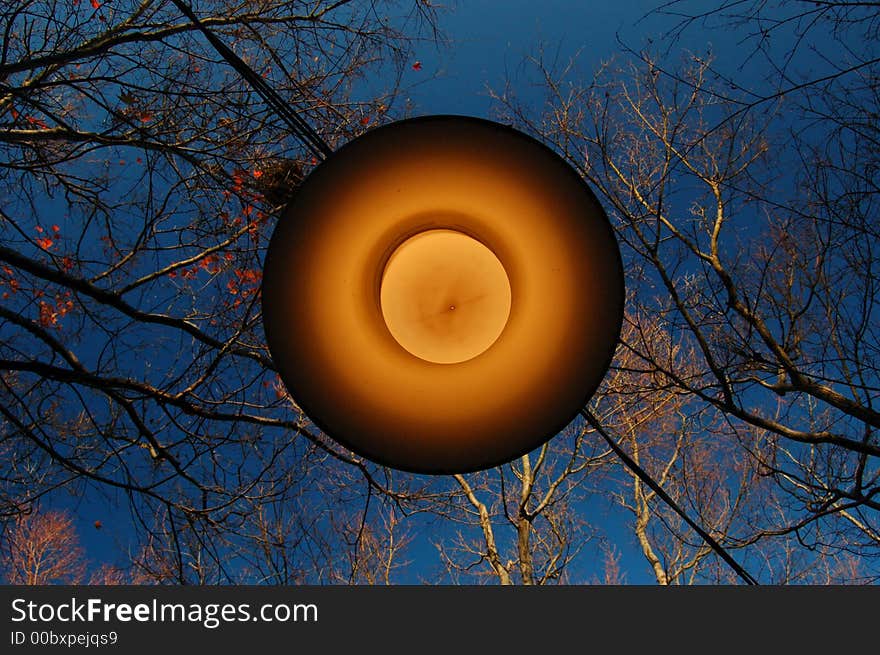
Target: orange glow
x: 375, y: 239
x: 445, y: 297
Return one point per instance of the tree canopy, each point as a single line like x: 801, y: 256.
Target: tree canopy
x: 141, y: 178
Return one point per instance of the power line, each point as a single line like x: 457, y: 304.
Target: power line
x: 648, y: 480
x: 306, y: 134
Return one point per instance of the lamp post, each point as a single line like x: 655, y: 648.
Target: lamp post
x: 443, y: 294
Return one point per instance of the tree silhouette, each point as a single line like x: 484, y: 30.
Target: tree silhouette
x: 748, y: 223
x: 141, y: 177
x: 42, y: 548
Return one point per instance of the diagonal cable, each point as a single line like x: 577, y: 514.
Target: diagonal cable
x: 306, y: 134
x: 656, y: 488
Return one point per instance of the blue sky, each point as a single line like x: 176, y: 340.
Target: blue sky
x: 488, y: 42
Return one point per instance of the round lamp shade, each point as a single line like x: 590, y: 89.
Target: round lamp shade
x: 442, y: 295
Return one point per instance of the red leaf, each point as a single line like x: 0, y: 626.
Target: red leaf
x: 417, y: 66
x: 238, y: 180
x: 207, y: 263
x: 258, y: 174
x: 39, y: 229
x: 96, y: 4
x: 45, y: 243
x: 55, y: 228
x: 365, y: 120
x: 48, y: 317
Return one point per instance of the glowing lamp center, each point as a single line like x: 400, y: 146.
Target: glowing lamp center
x: 445, y: 297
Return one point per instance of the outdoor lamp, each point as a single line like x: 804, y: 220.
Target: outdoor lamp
x: 443, y: 294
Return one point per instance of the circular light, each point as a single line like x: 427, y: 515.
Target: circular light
x: 443, y: 294
x: 445, y: 297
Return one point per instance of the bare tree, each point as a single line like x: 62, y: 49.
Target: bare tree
x: 140, y: 179
x: 42, y: 548
x: 669, y: 435
x: 836, y: 37
x: 749, y: 240
x: 526, y: 522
